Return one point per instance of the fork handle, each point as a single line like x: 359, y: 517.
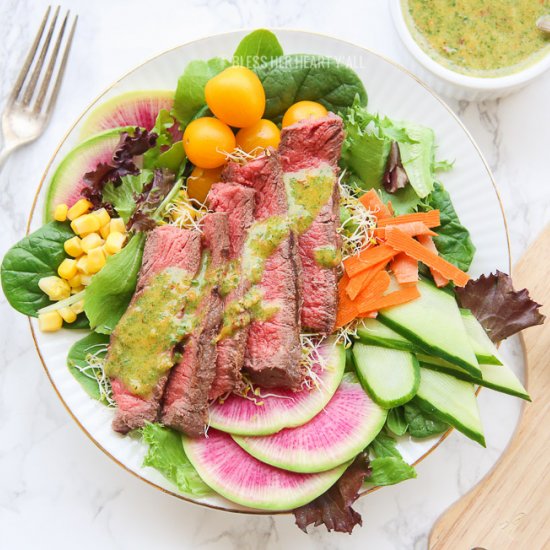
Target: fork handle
x: 5, y: 151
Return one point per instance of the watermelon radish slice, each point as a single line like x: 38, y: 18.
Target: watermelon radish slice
x: 130, y: 109
x: 276, y: 409
x: 348, y: 423
x: 67, y: 182
x: 241, y: 478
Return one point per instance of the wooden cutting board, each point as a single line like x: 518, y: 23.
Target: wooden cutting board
x: 510, y: 507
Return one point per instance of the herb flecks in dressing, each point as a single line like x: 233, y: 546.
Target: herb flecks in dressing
x: 141, y: 351
x: 487, y: 38
x: 327, y: 256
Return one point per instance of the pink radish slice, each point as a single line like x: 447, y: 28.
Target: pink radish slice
x: 347, y: 424
x: 241, y: 478
x: 276, y: 409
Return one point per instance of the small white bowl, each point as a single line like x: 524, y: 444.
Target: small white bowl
x: 456, y: 85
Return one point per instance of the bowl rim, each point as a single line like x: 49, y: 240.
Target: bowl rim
x: 472, y: 82
x: 86, y: 111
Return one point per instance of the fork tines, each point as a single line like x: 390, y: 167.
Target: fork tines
x: 33, y: 84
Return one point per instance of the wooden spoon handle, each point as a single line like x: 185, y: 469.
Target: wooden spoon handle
x: 510, y: 507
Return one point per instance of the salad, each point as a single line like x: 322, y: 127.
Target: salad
x: 272, y: 281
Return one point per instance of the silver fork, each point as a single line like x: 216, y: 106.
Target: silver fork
x: 27, y: 112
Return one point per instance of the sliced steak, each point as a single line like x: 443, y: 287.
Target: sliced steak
x: 141, y: 348
x: 238, y: 202
x: 309, y: 152
x: 273, y: 345
x: 185, y: 404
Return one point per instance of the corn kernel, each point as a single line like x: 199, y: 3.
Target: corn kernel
x: 105, y: 230
x: 67, y: 314
x: 117, y: 225
x: 103, y: 216
x: 96, y: 260
x: 78, y: 307
x: 55, y: 287
x: 50, y: 322
x: 85, y: 279
x: 93, y: 240
x: 114, y: 242
x: 60, y: 212
x: 80, y: 207
x: 75, y: 281
x: 82, y: 264
x: 85, y: 224
x: 73, y: 246
x: 77, y: 289
x: 67, y: 269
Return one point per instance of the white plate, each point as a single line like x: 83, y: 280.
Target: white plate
x: 392, y: 91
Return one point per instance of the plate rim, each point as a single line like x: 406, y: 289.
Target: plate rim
x: 106, y: 90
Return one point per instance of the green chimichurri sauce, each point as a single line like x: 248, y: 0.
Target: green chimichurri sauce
x: 327, y: 256
x: 141, y: 351
x: 486, y: 38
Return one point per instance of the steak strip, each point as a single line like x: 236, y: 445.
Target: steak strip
x: 308, y: 149
x: 273, y: 345
x: 185, y: 405
x: 238, y: 202
x: 168, y: 251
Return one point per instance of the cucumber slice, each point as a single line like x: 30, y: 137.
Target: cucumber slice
x: 495, y: 377
x: 372, y: 331
x: 390, y: 376
x: 486, y: 352
x: 451, y: 400
x: 434, y: 323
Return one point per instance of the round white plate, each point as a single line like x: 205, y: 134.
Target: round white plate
x: 392, y: 91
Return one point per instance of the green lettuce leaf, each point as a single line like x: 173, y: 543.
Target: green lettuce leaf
x: 189, y: 98
x: 388, y: 466
x: 453, y: 241
x: 260, y: 46
x: 109, y: 293
x: 422, y: 424
x: 396, y: 422
x: 123, y: 196
x: 166, y: 455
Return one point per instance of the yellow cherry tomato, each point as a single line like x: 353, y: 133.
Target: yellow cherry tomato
x: 200, y: 181
x: 302, y: 111
x: 254, y: 139
x: 206, y: 140
x: 236, y: 96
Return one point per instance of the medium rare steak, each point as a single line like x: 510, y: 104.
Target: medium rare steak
x: 273, y: 345
x: 141, y: 348
x: 185, y: 405
x: 238, y: 202
x: 309, y: 152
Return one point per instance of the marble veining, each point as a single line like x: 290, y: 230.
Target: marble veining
x: 56, y: 489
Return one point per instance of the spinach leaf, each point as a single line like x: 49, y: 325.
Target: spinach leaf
x: 291, y: 78
x: 166, y: 455
x: 86, y: 373
x: 110, y: 292
x: 123, y: 197
x: 189, y: 97
x: 396, y: 422
x: 422, y: 424
x: 260, y: 46
x: 453, y: 241
x: 81, y: 322
x: 390, y: 470
x: 388, y: 466
x: 37, y: 255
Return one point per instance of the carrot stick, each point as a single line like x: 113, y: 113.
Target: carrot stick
x: 379, y: 285
x: 430, y: 219
x: 427, y: 241
x: 413, y: 229
x: 361, y: 280
x: 372, y: 202
x: 395, y: 298
x: 405, y: 269
x: 368, y: 258
x: 347, y: 311
x: 403, y: 243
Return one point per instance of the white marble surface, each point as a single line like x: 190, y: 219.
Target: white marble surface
x: 57, y: 489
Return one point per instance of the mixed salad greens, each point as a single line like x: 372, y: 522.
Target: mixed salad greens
x: 81, y: 267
